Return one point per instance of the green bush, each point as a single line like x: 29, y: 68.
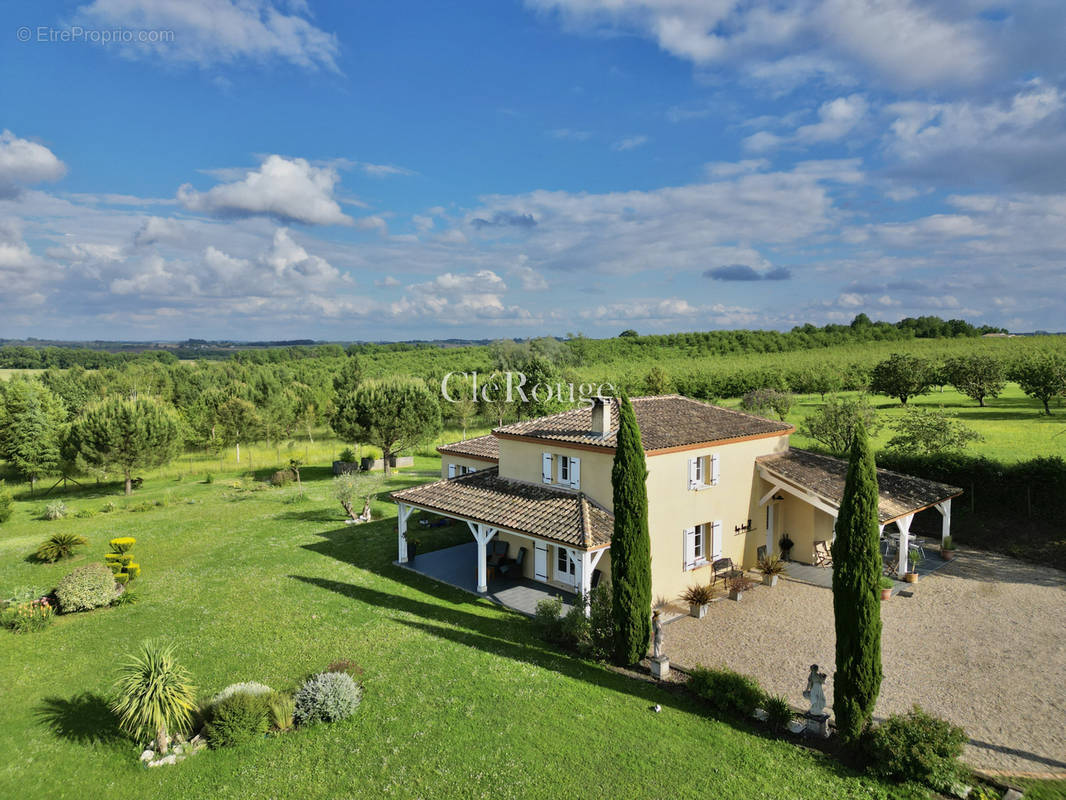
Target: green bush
x: 59, y: 546
x: 778, y: 711
x: 916, y: 747
x: 547, y: 619
x: 86, y: 588
x: 209, y: 478
x: 238, y: 719
x: 7, y: 503
x: 54, y: 510
x: 347, y: 455
x: 281, y: 708
x: 575, y: 628
x: 85, y: 513
x: 601, y: 622
x: 727, y: 692
x: 326, y: 697
x: 121, y: 559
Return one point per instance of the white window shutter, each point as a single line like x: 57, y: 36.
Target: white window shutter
x: 451, y: 470
x: 575, y: 473
x: 690, y: 548
x: 716, y: 539
x: 714, y: 470
x: 692, y: 473
x: 546, y: 467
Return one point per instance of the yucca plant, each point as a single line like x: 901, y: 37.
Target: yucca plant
x: 153, y: 694
x: 58, y: 546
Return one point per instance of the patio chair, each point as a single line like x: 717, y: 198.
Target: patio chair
x: 822, y: 556
x: 497, y: 552
x: 596, y: 575
x: 723, y: 568
x: 512, y: 567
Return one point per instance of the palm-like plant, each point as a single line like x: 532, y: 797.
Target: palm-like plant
x: 59, y: 545
x: 153, y: 694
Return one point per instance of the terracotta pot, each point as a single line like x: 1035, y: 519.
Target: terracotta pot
x: 947, y: 555
x: 910, y: 577
x: 886, y: 594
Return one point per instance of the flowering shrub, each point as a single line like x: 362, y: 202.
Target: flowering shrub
x: 250, y: 687
x: 327, y: 697
x: 239, y: 718
x: 28, y: 615
x: 86, y: 588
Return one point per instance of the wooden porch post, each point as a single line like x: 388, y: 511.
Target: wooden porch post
x: 945, y: 523
x: 403, y: 513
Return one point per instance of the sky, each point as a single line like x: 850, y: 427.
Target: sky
x: 279, y: 169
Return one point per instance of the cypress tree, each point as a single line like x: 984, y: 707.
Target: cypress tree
x: 631, y: 543
x: 856, y: 594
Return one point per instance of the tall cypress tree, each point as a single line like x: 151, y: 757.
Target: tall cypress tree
x: 856, y: 594
x: 631, y: 543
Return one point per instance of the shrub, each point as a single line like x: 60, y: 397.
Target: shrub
x: 127, y: 597
x: 282, y: 477
x: 7, y: 503
x: 209, y: 478
x: 58, y: 546
x: 771, y: 565
x: 281, y: 707
x: 86, y: 588
x: 347, y: 455
x: 153, y: 695
x: 916, y: 747
x: 697, y: 595
x: 54, y: 510
x: 120, y: 560
x: 768, y: 401
x: 85, y: 513
x: 326, y: 697
x: 238, y: 719
x: 727, y: 692
x: 250, y: 687
x: 947, y: 544
x: 574, y: 628
x: 27, y: 616
x: 886, y: 582
x: 547, y: 619
x: 739, y: 583
x: 778, y: 711
x: 601, y: 622
x: 108, y: 507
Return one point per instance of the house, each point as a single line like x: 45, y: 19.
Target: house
x: 721, y: 484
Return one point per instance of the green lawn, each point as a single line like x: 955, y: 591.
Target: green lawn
x: 1013, y: 425
x: 461, y: 700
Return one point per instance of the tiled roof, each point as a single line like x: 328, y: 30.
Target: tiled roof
x: 824, y: 475
x: 665, y: 422
x: 542, y: 511
x: 483, y: 447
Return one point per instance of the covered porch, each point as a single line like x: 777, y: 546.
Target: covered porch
x: 529, y: 541
x: 452, y: 566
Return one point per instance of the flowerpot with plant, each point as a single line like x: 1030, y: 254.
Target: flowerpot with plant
x: 771, y: 567
x: 947, y: 549
x: 786, y: 544
x: 886, y: 587
x: 911, y: 576
x: 737, y: 585
x: 697, y: 597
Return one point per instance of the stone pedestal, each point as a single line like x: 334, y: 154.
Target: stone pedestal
x: 817, y: 725
x: 660, y: 667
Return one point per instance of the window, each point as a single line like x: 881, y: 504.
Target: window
x: 703, y: 543
x: 703, y: 471
x: 451, y: 470
x: 568, y: 471
x: 698, y: 473
x: 697, y: 544
x: 564, y: 469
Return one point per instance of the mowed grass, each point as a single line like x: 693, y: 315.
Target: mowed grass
x: 1013, y: 425
x: 461, y: 700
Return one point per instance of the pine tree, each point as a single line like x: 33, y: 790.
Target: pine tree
x: 631, y: 543
x: 31, y: 418
x: 856, y: 604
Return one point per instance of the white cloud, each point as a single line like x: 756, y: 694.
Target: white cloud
x: 383, y: 170
x: 289, y: 189
x: 159, y: 229
x: 836, y: 119
x: 531, y: 280
x: 630, y: 143
x: 24, y: 163
x: 211, y: 32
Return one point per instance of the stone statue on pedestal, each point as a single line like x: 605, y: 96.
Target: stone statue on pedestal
x: 657, y: 639
x: 815, y: 691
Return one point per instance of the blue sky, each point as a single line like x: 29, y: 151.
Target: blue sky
x: 276, y: 169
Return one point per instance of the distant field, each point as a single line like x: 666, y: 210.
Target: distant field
x: 7, y: 373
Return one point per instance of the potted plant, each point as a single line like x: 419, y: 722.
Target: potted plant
x: 912, y: 575
x: 697, y: 597
x: 412, y: 550
x: 771, y: 566
x: 737, y: 585
x: 886, y: 587
x: 367, y: 463
x: 947, y: 549
x: 786, y: 544
x: 345, y: 463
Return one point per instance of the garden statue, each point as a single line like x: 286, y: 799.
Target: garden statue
x: 814, y: 692
x: 657, y: 640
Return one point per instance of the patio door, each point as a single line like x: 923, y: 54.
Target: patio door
x: 540, y: 561
x: 565, y: 568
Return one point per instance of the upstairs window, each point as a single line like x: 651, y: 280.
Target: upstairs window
x: 561, y: 470
x: 703, y: 472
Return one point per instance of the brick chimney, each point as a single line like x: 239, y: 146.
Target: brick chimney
x: 601, y: 416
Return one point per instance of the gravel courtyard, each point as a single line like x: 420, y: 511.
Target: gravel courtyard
x: 982, y: 643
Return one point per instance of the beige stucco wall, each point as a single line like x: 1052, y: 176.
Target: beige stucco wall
x: 522, y: 461
x: 516, y: 542
x: 805, y: 525
x: 473, y: 463
x: 673, y: 507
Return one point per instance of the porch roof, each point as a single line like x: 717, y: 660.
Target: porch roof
x: 486, y: 448
x: 543, y: 512
x: 824, y: 476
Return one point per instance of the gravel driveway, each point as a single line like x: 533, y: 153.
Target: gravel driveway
x: 982, y: 643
